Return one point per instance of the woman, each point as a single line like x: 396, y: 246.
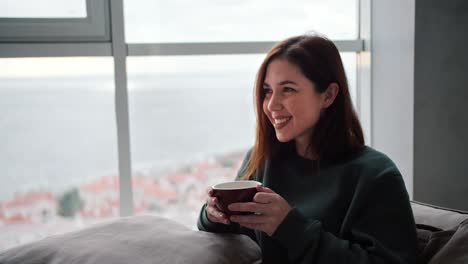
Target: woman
x: 326, y: 197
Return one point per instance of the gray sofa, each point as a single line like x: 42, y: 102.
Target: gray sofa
x: 442, y: 234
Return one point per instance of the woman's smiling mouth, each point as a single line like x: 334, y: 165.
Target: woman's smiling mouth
x: 279, y: 123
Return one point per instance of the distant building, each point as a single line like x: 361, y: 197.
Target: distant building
x: 101, y: 197
x: 32, y: 207
x: 184, y: 188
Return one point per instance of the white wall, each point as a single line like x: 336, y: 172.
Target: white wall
x: 392, y: 71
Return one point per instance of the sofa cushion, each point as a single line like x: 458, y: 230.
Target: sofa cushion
x: 456, y: 249
x: 430, y: 241
x: 442, y: 234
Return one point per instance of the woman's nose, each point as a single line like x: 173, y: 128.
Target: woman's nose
x: 275, y: 103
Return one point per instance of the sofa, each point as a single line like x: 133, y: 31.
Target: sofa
x: 442, y: 238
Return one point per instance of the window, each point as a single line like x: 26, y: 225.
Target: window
x: 186, y: 72
x: 58, y: 155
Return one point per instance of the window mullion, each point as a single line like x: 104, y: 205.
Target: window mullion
x: 121, y: 106
x: 219, y: 48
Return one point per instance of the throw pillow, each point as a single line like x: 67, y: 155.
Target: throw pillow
x: 137, y: 239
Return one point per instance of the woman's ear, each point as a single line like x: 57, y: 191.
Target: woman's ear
x: 330, y: 94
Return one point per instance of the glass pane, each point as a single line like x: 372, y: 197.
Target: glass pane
x: 349, y: 63
x: 58, y: 154
x: 192, y: 121
x: 250, y: 20
x: 43, y: 8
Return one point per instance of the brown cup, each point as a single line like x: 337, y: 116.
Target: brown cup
x: 234, y: 192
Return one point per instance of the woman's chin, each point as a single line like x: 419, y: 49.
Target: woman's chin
x: 283, y: 138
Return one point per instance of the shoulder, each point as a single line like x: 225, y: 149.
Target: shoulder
x: 372, y: 164
x: 246, y: 158
x: 248, y: 153
x: 368, y: 155
x: 374, y: 174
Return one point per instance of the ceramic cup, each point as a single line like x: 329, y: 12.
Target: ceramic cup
x: 234, y: 192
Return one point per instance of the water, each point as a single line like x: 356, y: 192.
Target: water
x: 56, y: 133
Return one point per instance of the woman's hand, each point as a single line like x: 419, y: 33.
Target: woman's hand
x: 269, y: 210
x: 212, y: 212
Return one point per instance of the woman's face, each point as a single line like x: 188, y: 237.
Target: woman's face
x: 291, y: 102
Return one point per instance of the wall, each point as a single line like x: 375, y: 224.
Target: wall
x: 392, y: 59
x: 440, y: 99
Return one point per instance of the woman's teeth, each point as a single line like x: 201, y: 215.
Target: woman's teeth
x: 280, y: 122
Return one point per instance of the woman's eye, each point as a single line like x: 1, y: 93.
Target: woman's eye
x: 289, y: 89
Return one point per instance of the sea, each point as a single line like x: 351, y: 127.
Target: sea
x: 57, y: 133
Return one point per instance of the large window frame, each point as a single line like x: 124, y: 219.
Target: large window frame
x: 101, y: 33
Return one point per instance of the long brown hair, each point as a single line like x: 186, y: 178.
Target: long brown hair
x: 338, y: 131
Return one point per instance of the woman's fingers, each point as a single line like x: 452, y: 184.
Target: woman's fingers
x: 214, y: 212
x: 209, y: 191
x: 211, y: 201
x: 269, y: 207
x: 248, y: 207
x: 264, y: 197
x: 216, y: 216
x: 259, y: 206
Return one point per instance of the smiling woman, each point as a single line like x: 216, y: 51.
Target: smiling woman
x: 325, y: 196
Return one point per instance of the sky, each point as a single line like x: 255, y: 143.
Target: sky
x: 43, y: 8
x: 242, y: 20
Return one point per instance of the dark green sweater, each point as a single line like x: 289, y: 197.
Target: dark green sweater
x: 353, y: 211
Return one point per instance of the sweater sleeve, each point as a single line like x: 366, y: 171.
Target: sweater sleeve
x: 381, y: 230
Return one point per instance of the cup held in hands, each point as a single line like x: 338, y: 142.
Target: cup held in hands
x: 234, y: 192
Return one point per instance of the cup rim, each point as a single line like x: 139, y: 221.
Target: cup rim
x: 225, y: 185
